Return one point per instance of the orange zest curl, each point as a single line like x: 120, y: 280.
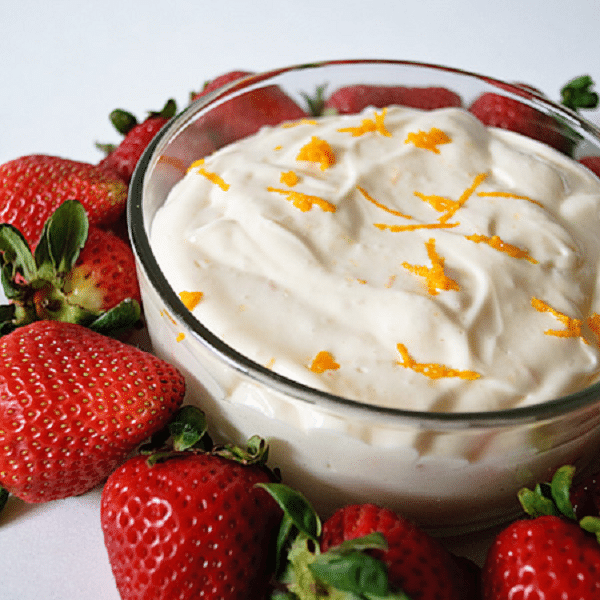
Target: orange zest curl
x: 191, y: 299
x: 304, y: 202
x: 324, y: 362
x: 435, y: 277
x: 432, y: 370
x: 376, y: 125
x: 572, y: 326
x: 317, y: 151
x: 477, y: 181
x: 428, y: 140
x: 497, y: 243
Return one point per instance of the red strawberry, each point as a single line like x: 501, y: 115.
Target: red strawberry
x: 123, y: 158
x: 32, y: 187
x: 547, y: 557
x: 247, y: 113
x: 592, y: 163
x: 73, y: 405
x: 77, y: 273
x: 496, y: 110
x: 354, y: 98
x: 190, y: 525
x: 417, y: 564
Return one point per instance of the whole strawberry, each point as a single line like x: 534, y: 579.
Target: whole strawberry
x: 73, y: 405
x: 123, y: 158
x: 363, y: 551
x: 245, y: 114
x: 76, y: 273
x: 417, y: 563
x: 190, y: 524
x: 497, y: 110
x: 547, y: 557
x: 555, y: 554
x: 355, y: 98
x: 32, y: 187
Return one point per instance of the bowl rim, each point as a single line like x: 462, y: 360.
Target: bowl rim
x: 571, y: 403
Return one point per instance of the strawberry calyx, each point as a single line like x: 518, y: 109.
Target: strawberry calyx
x: 578, y: 94
x: 554, y: 499
x: 344, y: 572
x: 124, y: 121
x: 188, y: 432
x: 36, y: 283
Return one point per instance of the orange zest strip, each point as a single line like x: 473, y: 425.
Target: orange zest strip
x: 428, y: 140
x: 376, y: 125
x: 289, y: 178
x: 479, y: 179
x: 191, y: 299
x: 593, y: 322
x: 572, y: 326
x: 401, y: 228
x: 432, y: 370
x: 381, y: 206
x: 497, y: 243
x: 212, y: 177
x: 508, y: 195
x: 324, y: 362
x: 180, y: 337
x: 317, y: 151
x: 434, y: 275
x: 304, y: 202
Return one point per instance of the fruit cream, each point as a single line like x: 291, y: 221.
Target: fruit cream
x: 407, y: 259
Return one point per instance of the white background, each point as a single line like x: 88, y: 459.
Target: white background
x: 65, y: 64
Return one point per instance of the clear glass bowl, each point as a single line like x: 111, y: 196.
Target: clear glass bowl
x: 451, y: 472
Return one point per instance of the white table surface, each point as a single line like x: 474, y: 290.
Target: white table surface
x: 66, y: 64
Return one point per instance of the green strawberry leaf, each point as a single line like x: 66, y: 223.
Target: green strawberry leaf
x: 16, y: 260
x: 561, y: 490
x: 168, y: 111
x: 297, y: 508
x: 578, y: 93
x: 255, y: 453
x: 537, y: 502
x: 592, y: 525
x: 123, y: 121
x: 353, y: 572
x: 63, y: 236
x: 187, y: 428
x: 119, y: 318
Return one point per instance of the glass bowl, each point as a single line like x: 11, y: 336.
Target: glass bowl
x: 450, y: 472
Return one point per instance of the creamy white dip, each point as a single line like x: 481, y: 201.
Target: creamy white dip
x: 401, y: 258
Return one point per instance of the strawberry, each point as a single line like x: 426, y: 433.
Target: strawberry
x: 190, y: 523
x: 123, y: 158
x: 417, y: 564
x: 354, y: 98
x: 77, y: 273
x: 549, y: 555
x: 363, y: 551
x: 496, y: 110
x: 32, y: 187
x: 245, y: 114
x: 73, y: 405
